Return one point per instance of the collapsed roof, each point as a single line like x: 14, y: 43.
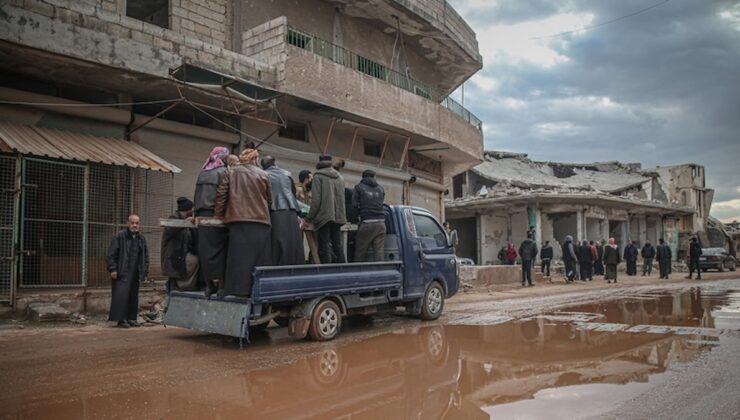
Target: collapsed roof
x: 519, y: 171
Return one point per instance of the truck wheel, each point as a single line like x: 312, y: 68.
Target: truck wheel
x: 325, y: 321
x: 433, y: 303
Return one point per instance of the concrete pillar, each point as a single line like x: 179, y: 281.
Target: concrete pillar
x: 605, y: 229
x: 539, y: 231
x: 478, y: 240
x: 580, y: 225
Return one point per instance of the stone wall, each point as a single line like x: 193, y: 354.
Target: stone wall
x: 94, y: 32
x: 208, y: 20
x: 266, y: 43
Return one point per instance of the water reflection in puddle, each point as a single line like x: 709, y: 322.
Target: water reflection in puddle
x: 694, y: 308
x: 430, y: 372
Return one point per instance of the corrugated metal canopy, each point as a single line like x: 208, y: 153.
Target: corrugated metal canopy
x: 37, y: 141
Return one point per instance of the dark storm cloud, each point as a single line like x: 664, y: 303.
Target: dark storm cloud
x: 660, y: 88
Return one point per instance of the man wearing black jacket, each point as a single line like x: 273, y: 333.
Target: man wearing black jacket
x: 630, y: 256
x: 694, y: 254
x: 367, y: 198
x: 648, y: 253
x: 586, y: 261
x: 528, y: 252
x: 664, y: 258
x: 127, y: 261
x: 569, y: 259
x: 546, y: 259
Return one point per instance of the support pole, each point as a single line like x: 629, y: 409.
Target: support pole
x: 403, y: 154
x: 328, y: 135
x: 352, y: 146
x: 385, y: 146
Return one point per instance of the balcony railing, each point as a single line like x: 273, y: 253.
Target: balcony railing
x: 347, y: 58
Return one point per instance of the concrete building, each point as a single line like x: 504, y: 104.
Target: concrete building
x: 123, y: 99
x: 498, y: 200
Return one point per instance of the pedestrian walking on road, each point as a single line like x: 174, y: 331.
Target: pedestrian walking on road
x: 694, y: 254
x: 648, y: 254
x: 611, y: 260
x: 630, y: 256
x: 127, y: 259
x: 664, y: 256
x: 599, y: 263
x: 569, y: 259
x: 528, y: 252
x: 367, y: 199
x: 546, y: 254
x: 585, y: 261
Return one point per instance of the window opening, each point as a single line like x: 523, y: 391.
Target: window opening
x: 155, y: 12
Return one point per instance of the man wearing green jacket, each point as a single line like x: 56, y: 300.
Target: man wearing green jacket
x: 327, y: 211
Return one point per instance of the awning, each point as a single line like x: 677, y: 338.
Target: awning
x: 60, y: 144
x: 189, y: 73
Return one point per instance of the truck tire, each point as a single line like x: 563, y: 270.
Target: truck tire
x: 433, y: 302
x: 326, y: 320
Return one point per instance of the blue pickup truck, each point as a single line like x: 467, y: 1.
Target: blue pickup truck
x: 419, y: 272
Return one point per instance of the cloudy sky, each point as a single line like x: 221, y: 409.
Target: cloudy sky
x: 597, y: 80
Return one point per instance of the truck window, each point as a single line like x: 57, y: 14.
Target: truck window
x: 408, y: 216
x: 429, y: 232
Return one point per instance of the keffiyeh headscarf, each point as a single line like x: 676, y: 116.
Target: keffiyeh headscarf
x: 249, y: 156
x: 612, y: 243
x: 216, y: 158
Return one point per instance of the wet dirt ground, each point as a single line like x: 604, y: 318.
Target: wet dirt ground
x: 554, y: 351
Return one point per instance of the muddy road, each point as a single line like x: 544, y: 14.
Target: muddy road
x: 641, y: 349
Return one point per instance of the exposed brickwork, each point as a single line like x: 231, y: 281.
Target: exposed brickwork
x: 93, y: 32
x: 267, y: 43
x: 208, y: 20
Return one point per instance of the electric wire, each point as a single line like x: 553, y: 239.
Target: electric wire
x: 608, y: 22
x: 87, y: 105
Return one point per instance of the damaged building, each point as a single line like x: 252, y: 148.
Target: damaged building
x: 109, y: 107
x: 498, y: 200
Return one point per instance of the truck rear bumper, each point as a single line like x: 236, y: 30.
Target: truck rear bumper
x: 192, y: 310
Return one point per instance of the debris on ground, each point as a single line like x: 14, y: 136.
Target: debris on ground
x: 78, y: 318
x: 47, y: 312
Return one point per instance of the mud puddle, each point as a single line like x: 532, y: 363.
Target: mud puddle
x: 536, y: 367
x: 695, y: 308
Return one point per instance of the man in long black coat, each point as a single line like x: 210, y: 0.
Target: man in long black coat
x: 664, y: 256
x: 694, y: 254
x: 585, y: 261
x: 128, y: 264
x: 630, y: 257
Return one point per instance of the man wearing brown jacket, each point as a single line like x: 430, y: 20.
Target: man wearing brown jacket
x: 243, y: 201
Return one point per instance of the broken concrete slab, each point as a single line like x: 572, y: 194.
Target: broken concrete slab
x: 47, y: 312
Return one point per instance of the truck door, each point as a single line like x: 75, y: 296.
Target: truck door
x: 431, y: 252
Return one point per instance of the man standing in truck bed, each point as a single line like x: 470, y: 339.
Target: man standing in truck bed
x: 368, y: 198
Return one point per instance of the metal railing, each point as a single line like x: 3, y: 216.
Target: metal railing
x: 347, y: 58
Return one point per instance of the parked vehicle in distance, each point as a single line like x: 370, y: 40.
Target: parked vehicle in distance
x: 465, y: 261
x: 716, y: 259
x: 419, y: 272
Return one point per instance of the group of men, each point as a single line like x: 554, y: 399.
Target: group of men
x: 264, y: 214
x: 584, y: 259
